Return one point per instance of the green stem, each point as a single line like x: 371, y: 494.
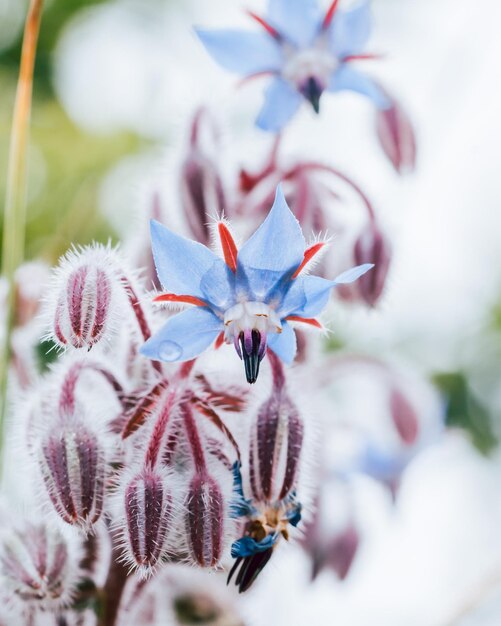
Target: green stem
x: 15, y: 197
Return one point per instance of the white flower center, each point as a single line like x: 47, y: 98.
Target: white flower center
x: 250, y: 316
x: 315, y: 62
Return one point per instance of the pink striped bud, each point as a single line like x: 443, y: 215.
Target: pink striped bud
x: 275, y: 448
x: 202, y: 191
x: 204, y: 520
x: 38, y: 566
x: 370, y: 247
x: 85, y: 288
x: 404, y: 417
x: 73, y: 466
x: 396, y: 135
x: 148, y: 506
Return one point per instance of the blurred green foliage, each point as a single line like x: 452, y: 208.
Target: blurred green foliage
x: 464, y: 410
x: 66, y: 164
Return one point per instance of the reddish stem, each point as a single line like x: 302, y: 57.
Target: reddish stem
x: 277, y: 370
x: 194, y: 440
x: 155, y: 443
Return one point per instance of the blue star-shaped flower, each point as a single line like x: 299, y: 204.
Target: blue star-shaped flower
x: 248, y: 299
x: 307, y: 52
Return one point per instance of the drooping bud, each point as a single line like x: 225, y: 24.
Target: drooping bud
x: 275, y: 448
x: 396, y: 135
x: 38, y: 565
x: 72, y: 462
x: 148, y: 505
x: 204, y: 520
x: 202, y: 191
x: 86, y: 285
x: 370, y: 247
x: 404, y: 417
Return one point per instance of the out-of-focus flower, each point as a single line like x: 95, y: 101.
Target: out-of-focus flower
x: 306, y: 52
x: 38, y: 565
x: 202, y: 191
x: 31, y: 282
x: 397, y: 138
x: 248, y: 299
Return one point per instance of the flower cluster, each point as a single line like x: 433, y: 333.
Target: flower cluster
x: 147, y: 447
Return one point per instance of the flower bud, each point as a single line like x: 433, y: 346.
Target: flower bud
x: 404, y: 417
x: 85, y: 286
x: 370, y: 247
x: 148, y: 506
x: 396, y: 135
x: 202, y: 192
x: 73, y: 466
x: 38, y: 565
x: 204, y: 520
x: 275, y: 448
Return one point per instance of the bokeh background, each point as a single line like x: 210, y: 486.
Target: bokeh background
x: 115, y: 86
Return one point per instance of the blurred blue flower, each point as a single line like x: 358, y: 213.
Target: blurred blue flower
x: 306, y: 51
x: 248, y: 299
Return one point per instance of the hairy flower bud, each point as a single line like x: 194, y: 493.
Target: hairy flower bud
x: 86, y: 285
x: 202, y: 191
x: 73, y: 466
x: 205, y: 520
x: 148, y: 506
x: 275, y: 448
x: 396, y: 136
x: 371, y: 246
x: 38, y: 565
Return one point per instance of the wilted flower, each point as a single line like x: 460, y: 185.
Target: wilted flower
x: 305, y: 50
x: 38, y: 565
x: 396, y: 135
x: 248, y: 299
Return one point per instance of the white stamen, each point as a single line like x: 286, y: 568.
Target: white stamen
x: 316, y: 62
x: 250, y: 316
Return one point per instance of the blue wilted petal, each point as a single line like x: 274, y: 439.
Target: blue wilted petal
x: 278, y: 244
x: 347, y: 78
x: 246, y: 546
x: 240, y: 506
x: 297, y: 20
x: 184, y: 336
x: 180, y: 262
x: 281, y: 102
x: 284, y: 344
x: 350, y: 30
x: 242, y: 52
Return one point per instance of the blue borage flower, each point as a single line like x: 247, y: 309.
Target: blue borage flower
x: 248, y: 299
x: 265, y: 523
x: 306, y: 51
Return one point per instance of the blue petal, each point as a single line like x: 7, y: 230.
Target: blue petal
x: 278, y: 244
x: 307, y: 297
x: 350, y: 30
x: 239, y: 505
x: 297, y: 20
x: 218, y: 285
x: 184, y: 336
x: 246, y: 546
x: 352, y: 274
x: 242, y: 52
x: 282, y: 100
x: 180, y: 262
x: 348, y: 78
x: 284, y: 344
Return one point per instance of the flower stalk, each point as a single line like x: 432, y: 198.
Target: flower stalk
x: 15, y: 199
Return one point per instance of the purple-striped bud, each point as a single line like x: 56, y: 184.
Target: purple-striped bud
x: 370, y: 247
x: 38, y: 565
x: 85, y: 287
x: 72, y: 461
x: 275, y: 448
x: 396, y: 135
x: 204, y: 520
x: 148, y: 506
x: 202, y: 191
